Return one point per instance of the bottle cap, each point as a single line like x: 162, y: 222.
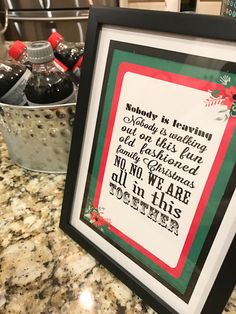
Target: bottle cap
x: 40, y: 52
x: 54, y: 39
x: 16, y: 49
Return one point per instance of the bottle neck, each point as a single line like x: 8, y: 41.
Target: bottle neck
x: 23, y: 57
x: 61, y: 46
x: 43, y: 67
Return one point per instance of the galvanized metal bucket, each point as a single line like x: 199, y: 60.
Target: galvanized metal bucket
x: 38, y: 138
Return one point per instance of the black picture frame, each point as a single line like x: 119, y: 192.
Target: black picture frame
x: 215, y: 29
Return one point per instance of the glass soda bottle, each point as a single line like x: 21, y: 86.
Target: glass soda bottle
x: 18, y: 52
x: 13, y: 79
x: 76, y: 70
x: 65, y: 52
x: 46, y: 85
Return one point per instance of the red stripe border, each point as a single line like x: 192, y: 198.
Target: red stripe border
x: 188, y: 82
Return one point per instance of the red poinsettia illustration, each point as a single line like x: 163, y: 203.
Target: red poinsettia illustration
x: 98, y: 220
x: 230, y: 96
x: 225, y: 97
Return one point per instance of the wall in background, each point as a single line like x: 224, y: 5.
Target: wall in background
x: 203, y: 6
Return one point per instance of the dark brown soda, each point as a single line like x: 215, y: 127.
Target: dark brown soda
x: 47, y: 88
x: 68, y: 56
x: 9, y: 75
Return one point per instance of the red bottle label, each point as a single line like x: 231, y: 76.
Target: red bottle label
x: 62, y: 67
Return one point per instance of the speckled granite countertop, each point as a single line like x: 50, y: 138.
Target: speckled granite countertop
x: 41, y: 269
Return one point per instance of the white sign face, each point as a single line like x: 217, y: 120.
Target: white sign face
x: 158, y: 162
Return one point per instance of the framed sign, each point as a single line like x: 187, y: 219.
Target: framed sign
x: 150, y: 188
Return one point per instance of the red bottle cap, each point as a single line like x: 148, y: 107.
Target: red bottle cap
x: 54, y: 39
x: 16, y: 49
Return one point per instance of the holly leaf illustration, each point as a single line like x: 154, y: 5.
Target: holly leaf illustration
x: 215, y: 93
